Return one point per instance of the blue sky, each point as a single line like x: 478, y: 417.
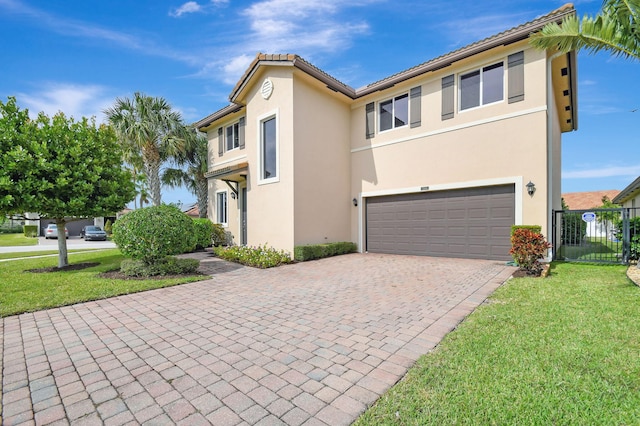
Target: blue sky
x: 77, y: 56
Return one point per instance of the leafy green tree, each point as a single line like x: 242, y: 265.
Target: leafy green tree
x: 194, y: 158
x: 59, y: 168
x: 615, y: 29
x: 149, y: 127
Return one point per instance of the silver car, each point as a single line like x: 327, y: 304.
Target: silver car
x: 52, y: 231
x: 93, y: 233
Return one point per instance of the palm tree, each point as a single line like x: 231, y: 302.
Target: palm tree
x: 615, y: 29
x: 194, y: 157
x: 149, y: 127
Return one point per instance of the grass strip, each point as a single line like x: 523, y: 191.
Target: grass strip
x: 14, y: 240
x: 22, y: 291
x: 560, y: 350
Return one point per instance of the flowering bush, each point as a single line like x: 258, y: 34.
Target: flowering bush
x: 527, y: 248
x: 259, y: 257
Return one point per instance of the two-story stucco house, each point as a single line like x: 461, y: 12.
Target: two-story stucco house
x: 434, y: 160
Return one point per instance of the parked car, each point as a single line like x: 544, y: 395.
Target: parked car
x: 93, y: 233
x: 52, y: 231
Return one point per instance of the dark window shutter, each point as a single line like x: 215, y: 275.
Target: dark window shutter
x: 448, y: 96
x: 371, y: 119
x: 241, y: 132
x: 220, y: 142
x: 516, y: 77
x: 415, y: 107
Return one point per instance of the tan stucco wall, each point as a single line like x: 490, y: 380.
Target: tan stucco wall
x: 498, y: 143
x: 322, y: 165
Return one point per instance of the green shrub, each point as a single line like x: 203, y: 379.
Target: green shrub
x: 30, y: 231
x: 634, y: 247
x: 527, y: 248
x: 204, y: 230
x: 151, y: 233
x: 535, y: 228
x: 168, y: 265
x: 219, y: 235
x: 318, y: 251
x: 108, y: 227
x: 574, y: 229
x: 259, y: 257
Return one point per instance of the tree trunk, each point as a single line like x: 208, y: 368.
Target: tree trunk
x: 153, y: 175
x: 63, y: 258
x: 202, y: 195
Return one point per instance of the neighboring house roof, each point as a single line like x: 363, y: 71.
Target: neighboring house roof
x: 588, y: 200
x: 193, y: 211
x: 512, y: 35
x: 631, y: 191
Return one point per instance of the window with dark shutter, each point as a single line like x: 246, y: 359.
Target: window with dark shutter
x: 241, y: 132
x: 220, y: 142
x: 516, y: 77
x: 448, y: 97
x: 370, y: 118
x: 415, y: 111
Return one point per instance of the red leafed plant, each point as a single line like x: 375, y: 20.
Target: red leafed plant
x: 527, y: 248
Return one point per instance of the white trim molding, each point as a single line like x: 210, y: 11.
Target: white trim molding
x: 452, y: 128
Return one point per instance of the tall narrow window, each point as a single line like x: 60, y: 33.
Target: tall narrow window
x: 394, y: 112
x: 221, y: 207
x: 268, y: 149
x: 482, y: 87
x: 233, y: 140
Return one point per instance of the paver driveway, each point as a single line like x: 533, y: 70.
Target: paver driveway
x: 313, y: 343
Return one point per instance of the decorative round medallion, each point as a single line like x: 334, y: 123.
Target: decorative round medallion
x: 267, y: 88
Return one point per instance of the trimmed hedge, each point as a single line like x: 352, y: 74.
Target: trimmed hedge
x: 170, y: 265
x: 203, y: 229
x: 534, y: 228
x: 318, y: 251
x: 30, y: 230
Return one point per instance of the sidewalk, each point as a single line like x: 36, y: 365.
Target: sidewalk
x: 73, y: 243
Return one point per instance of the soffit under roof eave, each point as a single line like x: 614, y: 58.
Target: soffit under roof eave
x: 205, y: 123
x: 628, y: 193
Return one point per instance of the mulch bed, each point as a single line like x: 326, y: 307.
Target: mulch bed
x: 73, y: 267
x: 114, y: 275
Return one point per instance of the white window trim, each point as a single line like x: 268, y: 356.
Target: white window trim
x: 225, y: 127
x: 262, y: 118
x: 393, y: 101
x: 458, y: 82
x: 224, y: 224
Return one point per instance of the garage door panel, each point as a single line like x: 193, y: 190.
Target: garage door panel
x: 471, y: 222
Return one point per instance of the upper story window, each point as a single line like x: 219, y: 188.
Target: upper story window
x: 232, y: 137
x: 394, y: 112
x: 268, y: 149
x: 482, y: 87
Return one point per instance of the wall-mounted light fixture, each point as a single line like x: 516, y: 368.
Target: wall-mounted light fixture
x: 355, y: 202
x: 531, y: 188
x: 233, y: 195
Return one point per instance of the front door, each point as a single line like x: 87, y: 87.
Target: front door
x: 243, y: 216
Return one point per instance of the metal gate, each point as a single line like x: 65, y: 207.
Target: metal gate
x: 596, y: 235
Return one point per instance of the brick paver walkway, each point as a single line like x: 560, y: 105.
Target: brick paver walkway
x: 314, y: 343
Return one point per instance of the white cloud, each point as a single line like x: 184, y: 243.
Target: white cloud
x: 188, y: 7
x: 73, y: 100
x: 304, y: 27
x: 603, y: 172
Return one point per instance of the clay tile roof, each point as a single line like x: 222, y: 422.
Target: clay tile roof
x: 588, y: 200
x: 512, y: 35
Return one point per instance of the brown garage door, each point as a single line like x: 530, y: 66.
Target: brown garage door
x: 469, y: 223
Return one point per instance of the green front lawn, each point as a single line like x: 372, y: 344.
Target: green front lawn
x: 593, y: 249
x: 560, y: 350
x: 22, y: 291
x: 13, y: 240
x: 23, y: 254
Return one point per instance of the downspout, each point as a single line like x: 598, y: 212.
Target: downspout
x: 550, y: 175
